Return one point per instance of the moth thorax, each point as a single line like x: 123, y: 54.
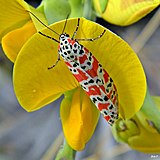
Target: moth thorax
x: 65, y: 50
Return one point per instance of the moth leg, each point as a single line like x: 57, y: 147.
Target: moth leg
x: 58, y: 59
x: 91, y: 39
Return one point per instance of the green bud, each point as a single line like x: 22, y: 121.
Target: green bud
x: 125, y: 129
x: 139, y: 132
x: 56, y: 10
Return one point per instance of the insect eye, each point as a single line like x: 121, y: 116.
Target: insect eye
x: 67, y: 35
x: 61, y: 36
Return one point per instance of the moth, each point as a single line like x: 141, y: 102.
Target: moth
x: 90, y: 74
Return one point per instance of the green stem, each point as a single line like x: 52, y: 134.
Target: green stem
x: 66, y: 153
x: 152, y: 112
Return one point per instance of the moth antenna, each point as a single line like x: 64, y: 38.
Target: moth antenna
x: 43, y: 23
x: 48, y: 37
x: 65, y: 24
x: 75, y: 32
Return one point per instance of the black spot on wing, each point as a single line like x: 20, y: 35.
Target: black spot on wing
x: 81, y: 52
x: 90, y: 58
x: 83, y: 67
x: 88, y: 63
x: 60, y: 49
x: 105, y: 98
x: 111, y: 80
x: 94, y: 99
x: 107, y: 90
x: 91, y: 81
x: 75, y: 50
x: 111, y: 121
x: 75, y: 64
x: 100, y: 71
x: 105, y: 113
x: 100, y: 65
x: 98, y: 80
x: 100, y: 99
x: 74, y: 70
x: 69, y: 52
x: 112, y: 116
x: 109, y: 85
x: 111, y: 106
x: 112, y: 96
x: 75, y: 45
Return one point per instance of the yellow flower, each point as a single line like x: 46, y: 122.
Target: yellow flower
x: 138, y: 132
x: 35, y: 85
x: 17, y: 26
x: 122, y: 12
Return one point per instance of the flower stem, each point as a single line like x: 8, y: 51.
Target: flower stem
x: 66, y: 152
x: 152, y: 112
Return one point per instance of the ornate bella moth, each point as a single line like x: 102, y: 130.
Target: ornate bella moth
x: 94, y: 80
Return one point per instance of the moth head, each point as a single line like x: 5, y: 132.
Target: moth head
x: 64, y: 36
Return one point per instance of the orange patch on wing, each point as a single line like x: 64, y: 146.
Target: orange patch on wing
x: 81, y: 76
x: 103, y: 106
x: 94, y: 90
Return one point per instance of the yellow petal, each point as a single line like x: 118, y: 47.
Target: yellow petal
x: 122, y: 12
x: 14, y: 40
x: 79, y: 118
x: 12, y: 15
x: 40, y: 15
x: 117, y: 58
x: 15, y: 19
x: 34, y: 84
